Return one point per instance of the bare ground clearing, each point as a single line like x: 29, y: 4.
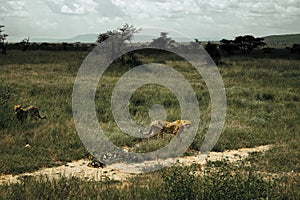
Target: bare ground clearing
x: 122, y: 171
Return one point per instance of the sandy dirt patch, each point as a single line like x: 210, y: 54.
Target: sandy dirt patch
x: 122, y: 171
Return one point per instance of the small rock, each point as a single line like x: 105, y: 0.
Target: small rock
x: 96, y: 164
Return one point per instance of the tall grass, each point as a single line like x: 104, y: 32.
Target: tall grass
x: 263, y: 108
x: 263, y: 97
x: 43, y: 79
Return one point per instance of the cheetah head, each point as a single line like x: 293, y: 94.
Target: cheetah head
x: 186, y: 123
x: 17, y: 107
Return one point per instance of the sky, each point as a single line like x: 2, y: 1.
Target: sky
x: 201, y: 19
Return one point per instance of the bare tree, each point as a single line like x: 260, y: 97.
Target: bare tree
x: 102, y: 37
x: 163, y: 41
x: 3, y: 40
x: 120, y: 36
x: 25, y: 43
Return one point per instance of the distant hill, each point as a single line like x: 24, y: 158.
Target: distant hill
x: 91, y: 38
x: 288, y: 39
x: 84, y: 38
x: 271, y: 40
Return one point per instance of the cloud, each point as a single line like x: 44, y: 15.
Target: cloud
x: 158, y: 10
x: 205, y: 18
x: 215, y: 17
x: 75, y: 7
x: 107, y: 20
x: 46, y: 23
x: 85, y: 7
x: 13, y: 9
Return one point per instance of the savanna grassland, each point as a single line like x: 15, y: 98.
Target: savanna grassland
x: 263, y: 107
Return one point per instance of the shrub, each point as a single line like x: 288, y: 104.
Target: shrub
x: 179, y: 183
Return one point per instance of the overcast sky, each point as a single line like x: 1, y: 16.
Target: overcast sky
x: 196, y: 18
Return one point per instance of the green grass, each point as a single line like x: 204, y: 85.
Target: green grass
x: 44, y: 79
x: 263, y: 107
x: 282, y: 39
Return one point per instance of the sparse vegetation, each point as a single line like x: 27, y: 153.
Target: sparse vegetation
x: 163, y: 41
x: 3, y: 40
x: 282, y: 40
x: 263, y: 108
x: 218, y: 180
x: 243, y: 44
x: 213, y: 51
